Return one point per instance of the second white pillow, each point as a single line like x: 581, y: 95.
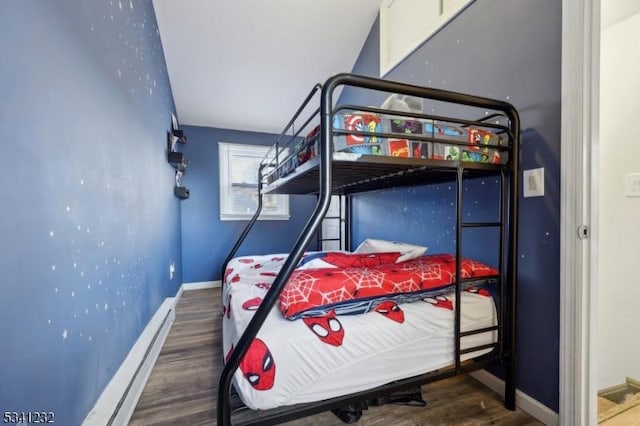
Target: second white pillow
x: 407, y: 251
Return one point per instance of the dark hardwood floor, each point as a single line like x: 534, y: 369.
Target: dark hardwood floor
x: 182, y: 388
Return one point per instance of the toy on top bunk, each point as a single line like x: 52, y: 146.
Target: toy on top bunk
x: 401, y: 147
x: 376, y: 145
x: 358, y: 143
x: 478, y: 142
x: 476, y: 147
x: 405, y: 147
x: 304, y: 150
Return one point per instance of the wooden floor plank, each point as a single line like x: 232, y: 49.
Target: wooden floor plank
x: 182, y: 388
x: 630, y: 417
x: 612, y: 414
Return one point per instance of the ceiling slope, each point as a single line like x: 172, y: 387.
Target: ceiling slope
x: 247, y: 64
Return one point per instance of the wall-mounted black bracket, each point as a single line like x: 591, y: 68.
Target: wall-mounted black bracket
x: 177, y: 160
x: 179, y: 135
x: 175, y: 136
x: 181, y: 192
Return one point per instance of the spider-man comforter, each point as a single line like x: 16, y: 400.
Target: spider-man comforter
x: 359, y: 283
x: 315, y: 358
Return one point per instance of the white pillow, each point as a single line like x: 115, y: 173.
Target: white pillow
x: 407, y: 251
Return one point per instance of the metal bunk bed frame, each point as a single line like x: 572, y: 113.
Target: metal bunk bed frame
x: 324, y: 176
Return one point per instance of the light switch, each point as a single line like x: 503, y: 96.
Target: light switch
x: 533, y: 182
x: 632, y: 185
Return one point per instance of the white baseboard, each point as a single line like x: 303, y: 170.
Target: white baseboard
x: 117, y: 402
x: 523, y: 401
x: 201, y: 284
x: 197, y: 286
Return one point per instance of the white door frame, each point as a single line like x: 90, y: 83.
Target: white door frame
x: 578, y: 282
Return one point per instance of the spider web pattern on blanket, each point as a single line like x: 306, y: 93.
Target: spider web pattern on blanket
x: 333, y: 296
x: 299, y: 289
x: 350, y: 290
x: 364, y: 280
x: 406, y: 286
x: 427, y: 271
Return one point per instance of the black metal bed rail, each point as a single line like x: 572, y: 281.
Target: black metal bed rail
x: 479, y: 331
x: 491, y: 116
x: 322, y: 205
x: 423, y: 116
x: 511, y: 289
x: 325, y: 148
x: 448, y: 165
x: 417, y: 137
x: 422, y: 137
x: 457, y: 311
x: 296, y: 133
x: 273, y: 153
x: 479, y: 348
x: 481, y: 122
x: 480, y: 224
x: 288, y: 413
x: 297, y: 114
x: 503, y: 296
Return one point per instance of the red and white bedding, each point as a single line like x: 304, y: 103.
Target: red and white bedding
x: 327, y: 352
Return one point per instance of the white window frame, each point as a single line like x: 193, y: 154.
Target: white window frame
x: 274, y: 207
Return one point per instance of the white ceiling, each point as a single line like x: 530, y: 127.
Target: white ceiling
x: 614, y: 11
x: 248, y: 64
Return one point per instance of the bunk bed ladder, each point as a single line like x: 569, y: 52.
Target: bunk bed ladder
x: 507, y: 265
x: 502, y: 344
x: 460, y: 226
x: 342, y: 218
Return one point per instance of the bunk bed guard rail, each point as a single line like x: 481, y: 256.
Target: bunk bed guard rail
x: 325, y: 153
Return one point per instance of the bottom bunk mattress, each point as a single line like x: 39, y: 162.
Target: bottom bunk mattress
x: 311, y: 359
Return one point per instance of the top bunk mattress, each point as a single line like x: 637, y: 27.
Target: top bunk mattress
x: 390, y: 152
x: 418, y: 135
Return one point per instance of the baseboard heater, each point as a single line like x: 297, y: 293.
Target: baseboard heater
x: 117, y: 402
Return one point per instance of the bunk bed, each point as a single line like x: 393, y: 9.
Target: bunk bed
x: 354, y: 149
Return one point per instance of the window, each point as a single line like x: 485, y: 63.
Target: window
x: 239, y: 184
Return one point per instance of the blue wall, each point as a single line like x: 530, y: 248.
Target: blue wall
x: 89, y: 224
x: 509, y: 51
x: 206, y: 240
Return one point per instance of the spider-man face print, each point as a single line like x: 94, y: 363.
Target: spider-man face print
x: 264, y: 286
x: 226, y: 358
x: 328, y: 328
x: 252, y: 304
x: 480, y: 291
x: 391, y: 310
x: 226, y: 309
x: 258, y: 366
x: 227, y: 273
x: 440, y: 302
